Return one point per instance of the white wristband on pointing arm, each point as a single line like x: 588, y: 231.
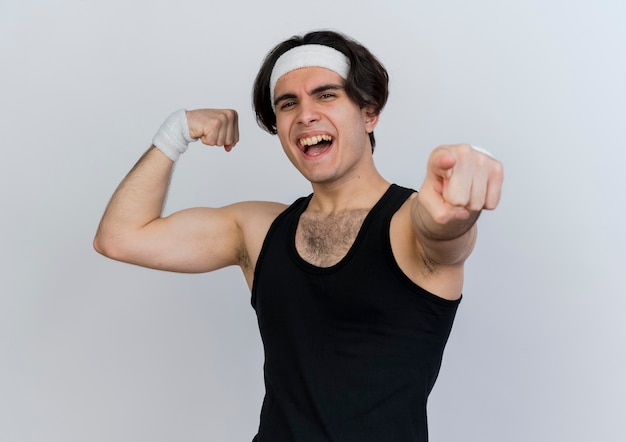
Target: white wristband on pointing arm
x: 481, y: 150
x: 173, y: 137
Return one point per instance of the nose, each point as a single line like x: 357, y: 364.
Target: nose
x: 308, y: 112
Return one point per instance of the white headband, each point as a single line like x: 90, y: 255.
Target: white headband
x: 308, y: 56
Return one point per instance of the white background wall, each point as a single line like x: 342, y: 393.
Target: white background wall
x: 94, y: 350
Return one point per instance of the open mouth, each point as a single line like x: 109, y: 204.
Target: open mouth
x: 316, y: 145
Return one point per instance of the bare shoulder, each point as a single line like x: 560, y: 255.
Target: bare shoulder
x: 254, y: 219
x: 443, y: 281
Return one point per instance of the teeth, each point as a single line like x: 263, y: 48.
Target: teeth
x: 311, y: 141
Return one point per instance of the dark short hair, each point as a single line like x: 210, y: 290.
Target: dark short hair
x: 367, y: 84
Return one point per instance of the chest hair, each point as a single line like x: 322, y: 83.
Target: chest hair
x: 323, y: 240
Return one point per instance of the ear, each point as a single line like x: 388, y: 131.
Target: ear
x: 371, y: 119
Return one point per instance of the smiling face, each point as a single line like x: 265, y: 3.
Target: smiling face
x: 322, y: 131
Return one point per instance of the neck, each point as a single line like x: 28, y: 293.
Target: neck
x: 358, y: 192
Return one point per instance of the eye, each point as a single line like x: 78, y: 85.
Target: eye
x: 327, y: 96
x: 287, y: 104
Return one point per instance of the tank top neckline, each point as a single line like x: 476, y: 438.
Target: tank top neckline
x: 358, y: 240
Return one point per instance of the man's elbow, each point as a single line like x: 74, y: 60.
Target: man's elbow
x: 99, y: 245
x: 109, y: 246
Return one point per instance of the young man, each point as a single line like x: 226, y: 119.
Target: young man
x: 355, y: 286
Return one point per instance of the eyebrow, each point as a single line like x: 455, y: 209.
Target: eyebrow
x: 315, y: 91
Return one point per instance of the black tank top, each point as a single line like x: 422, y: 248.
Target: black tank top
x: 351, y: 351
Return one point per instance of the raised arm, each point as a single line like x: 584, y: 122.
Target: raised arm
x: 193, y: 240
x: 460, y: 182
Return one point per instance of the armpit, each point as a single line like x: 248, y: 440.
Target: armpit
x: 243, y: 258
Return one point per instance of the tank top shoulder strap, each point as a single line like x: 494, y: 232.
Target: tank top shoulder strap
x: 398, y: 196
x: 375, y: 229
x: 389, y: 204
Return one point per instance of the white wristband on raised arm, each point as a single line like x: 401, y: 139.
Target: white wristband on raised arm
x: 481, y: 150
x: 173, y: 137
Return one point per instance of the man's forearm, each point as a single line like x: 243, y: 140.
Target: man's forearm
x: 448, y: 242
x: 138, y: 200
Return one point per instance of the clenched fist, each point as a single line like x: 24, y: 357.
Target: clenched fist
x: 214, y: 127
